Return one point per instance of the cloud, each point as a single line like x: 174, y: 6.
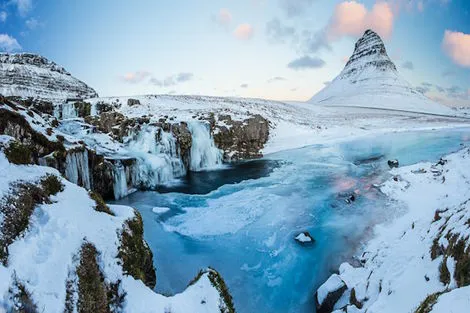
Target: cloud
x: 275, y: 79
x: 244, y: 86
x: 457, y: 46
x: 224, y: 17
x: 306, y: 62
x: 172, y: 80
x: 8, y: 43
x: 33, y: 23
x: 3, y: 16
x: 136, y: 77
x: 294, y: 8
x: 24, y: 6
x: 351, y: 19
x: 408, y: 65
x: 277, y: 32
x: 244, y: 31
x: 184, y: 77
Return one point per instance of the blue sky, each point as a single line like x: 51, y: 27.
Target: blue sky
x: 275, y: 49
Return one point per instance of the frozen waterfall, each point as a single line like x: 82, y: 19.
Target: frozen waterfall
x: 69, y: 110
x: 120, y: 181
x: 204, y: 153
x: 158, y: 157
x: 76, y: 168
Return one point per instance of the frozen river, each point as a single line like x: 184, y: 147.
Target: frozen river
x: 242, y: 220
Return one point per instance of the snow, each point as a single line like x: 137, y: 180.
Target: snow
x: 396, y: 261
x: 331, y: 285
x: 303, y: 238
x: 44, y: 256
x: 160, y: 210
x: 455, y: 301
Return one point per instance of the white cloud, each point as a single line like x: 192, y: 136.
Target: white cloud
x: 3, y: 16
x: 24, y: 6
x: 8, y: 43
x: 32, y: 23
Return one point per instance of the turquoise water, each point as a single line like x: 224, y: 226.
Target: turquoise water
x: 245, y: 228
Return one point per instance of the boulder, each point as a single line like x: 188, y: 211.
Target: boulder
x: 131, y: 102
x: 240, y: 140
x: 393, y: 163
x: 304, y: 238
x: 329, y: 293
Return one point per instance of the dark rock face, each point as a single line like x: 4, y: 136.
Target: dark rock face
x: 131, y: 102
x: 241, y: 140
x: 30, y: 75
x: 83, y: 108
x: 184, y: 141
x: 14, y: 125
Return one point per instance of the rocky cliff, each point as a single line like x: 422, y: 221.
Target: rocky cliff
x: 29, y: 75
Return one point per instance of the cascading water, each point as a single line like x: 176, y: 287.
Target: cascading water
x: 69, y: 110
x: 204, y: 153
x: 158, y: 158
x: 120, y: 181
x: 76, y: 168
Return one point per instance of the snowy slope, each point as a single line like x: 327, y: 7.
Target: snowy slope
x: 292, y: 124
x: 45, y: 255
x: 398, y: 271
x: 370, y: 79
x: 29, y: 75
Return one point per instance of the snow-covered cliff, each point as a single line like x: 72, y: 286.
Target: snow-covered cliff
x: 30, y: 75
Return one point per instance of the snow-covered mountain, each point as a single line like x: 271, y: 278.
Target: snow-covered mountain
x: 31, y: 75
x: 370, y: 79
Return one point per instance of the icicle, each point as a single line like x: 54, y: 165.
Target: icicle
x: 120, y: 181
x: 204, y: 153
x: 76, y: 168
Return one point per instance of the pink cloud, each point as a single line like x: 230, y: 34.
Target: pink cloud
x: 136, y: 77
x: 224, y: 17
x: 244, y: 31
x: 457, y: 46
x: 352, y: 19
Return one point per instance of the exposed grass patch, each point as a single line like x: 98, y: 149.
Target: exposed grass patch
x: 18, y: 206
x: 444, y: 274
x: 51, y: 185
x: 21, y: 298
x: 100, y: 206
x: 136, y: 256
x: 17, y: 153
x: 92, y: 293
x: 218, y: 282
x: 428, y: 303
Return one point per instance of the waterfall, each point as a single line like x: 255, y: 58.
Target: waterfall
x: 158, y: 158
x: 69, y: 110
x: 76, y: 168
x: 120, y: 181
x: 204, y: 153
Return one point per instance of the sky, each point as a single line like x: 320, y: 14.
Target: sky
x: 271, y: 49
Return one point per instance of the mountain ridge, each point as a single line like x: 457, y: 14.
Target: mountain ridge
x: 32, y: 75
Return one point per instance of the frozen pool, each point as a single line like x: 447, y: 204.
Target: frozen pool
x: 242, y: 221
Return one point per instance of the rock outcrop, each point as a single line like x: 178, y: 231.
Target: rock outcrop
x: 30, y: 75
x: 329, y: 293
x: 240, y: 140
